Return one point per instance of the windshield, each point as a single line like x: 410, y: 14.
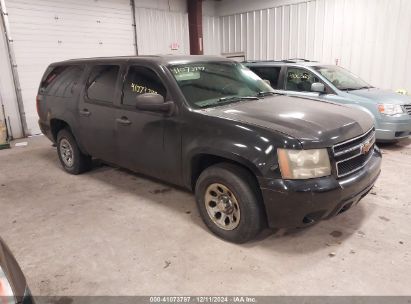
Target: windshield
x: 341, y: 78
x: 207, y: 84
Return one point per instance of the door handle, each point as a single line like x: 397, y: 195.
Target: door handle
x: 85, y: 113
x: 123, y: 121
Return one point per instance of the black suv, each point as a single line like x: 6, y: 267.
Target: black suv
x: 253, y: 157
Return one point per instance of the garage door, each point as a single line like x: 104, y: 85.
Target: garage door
x: 44, y: 31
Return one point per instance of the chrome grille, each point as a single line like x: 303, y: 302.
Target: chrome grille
x: 407, y: 108
x: 352, y: 155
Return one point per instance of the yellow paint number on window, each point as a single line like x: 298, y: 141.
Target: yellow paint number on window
x: 141, y: 89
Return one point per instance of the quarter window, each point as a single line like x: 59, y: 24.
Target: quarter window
x: 299, y: 80
x: 61, y: 80
x: 101, y: 83
x: 141, y: 80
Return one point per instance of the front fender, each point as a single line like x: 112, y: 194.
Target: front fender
x: 253, y: 148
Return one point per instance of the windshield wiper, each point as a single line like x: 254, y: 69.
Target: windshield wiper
x: 354, y: 89
x: 236, y: 98
x: 265, y: 93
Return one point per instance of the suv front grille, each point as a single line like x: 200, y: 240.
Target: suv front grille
x: 353, y: 154
x: 407, y: 108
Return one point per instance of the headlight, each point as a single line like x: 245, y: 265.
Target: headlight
x: 6, y: 293
x: 390, y: 109
x: 303, y: 164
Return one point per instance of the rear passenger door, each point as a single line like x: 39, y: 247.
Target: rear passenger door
x: 148, y: 142
x: 97, y: 109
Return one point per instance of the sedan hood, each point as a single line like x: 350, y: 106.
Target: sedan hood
x: 315, y: 123
x: 382, y: 96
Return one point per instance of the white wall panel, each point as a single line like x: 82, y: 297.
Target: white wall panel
x: 7, y: 90
x: 369, y: 37
x: 211, y: 35
x: 45, y: 31
x: 158, y: 29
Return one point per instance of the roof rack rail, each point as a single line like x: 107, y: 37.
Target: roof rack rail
x: 256, y: 61
x: 296, y: 60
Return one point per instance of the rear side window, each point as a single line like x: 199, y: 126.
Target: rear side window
x: 61, y: 80
x: 141, y: 80
x: 101, y: 83
x: 268, y: 73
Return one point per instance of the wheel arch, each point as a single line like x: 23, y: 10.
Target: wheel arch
x: 202, y: 160
x: 57, y: 124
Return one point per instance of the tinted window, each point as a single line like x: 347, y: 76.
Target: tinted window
x: 299, y: 80
x: 268, y: 73
x: 60, y: 81
x: 101, y: 83
x: 208, y: 84
x: 141, y: 80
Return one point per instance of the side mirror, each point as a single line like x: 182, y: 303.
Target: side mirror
x: 154, y: 103
x: 267, y: 82
x: 318, y: 87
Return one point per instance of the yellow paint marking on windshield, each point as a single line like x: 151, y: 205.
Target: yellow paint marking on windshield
x: 187, y: 69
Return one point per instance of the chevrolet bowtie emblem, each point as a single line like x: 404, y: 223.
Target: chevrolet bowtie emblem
x: 366, y: 147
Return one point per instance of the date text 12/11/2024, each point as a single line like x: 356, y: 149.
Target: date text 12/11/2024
x: 204, y: 299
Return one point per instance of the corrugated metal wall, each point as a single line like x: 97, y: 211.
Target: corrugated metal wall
x: 158, y: 29
x: 211, y: 35
x: 369, y: 37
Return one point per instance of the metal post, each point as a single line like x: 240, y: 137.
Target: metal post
x: 195, y: 26
x: 20, y: 105
x: 133, y: 11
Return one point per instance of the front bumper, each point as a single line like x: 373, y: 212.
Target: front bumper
x: 393, y: 128
x: 297, y: 203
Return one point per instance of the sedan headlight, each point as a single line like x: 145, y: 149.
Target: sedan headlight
x: 6, y: 293
x: 390, y: 109
x: 303, y: 164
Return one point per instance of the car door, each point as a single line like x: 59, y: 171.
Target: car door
x: 148, y: 142
x: 96, y: 111
x: 297, y: 81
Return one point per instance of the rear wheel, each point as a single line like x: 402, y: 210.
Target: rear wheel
x: 71, y: 158
x: 229, y: 202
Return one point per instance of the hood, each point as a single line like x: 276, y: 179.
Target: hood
x: 382, y: 96
x: 315, y: 123
x: 12, y: 270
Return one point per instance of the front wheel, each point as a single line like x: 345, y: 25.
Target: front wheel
x: 229, y: 203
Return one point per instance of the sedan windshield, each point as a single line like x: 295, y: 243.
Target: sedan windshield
x: 208, y: 84
x: 341, y: 78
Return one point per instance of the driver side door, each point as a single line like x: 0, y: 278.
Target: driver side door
x: 148, y: 142
x: 298, y: 81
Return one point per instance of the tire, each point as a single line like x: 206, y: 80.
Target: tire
x: 243, y: 209
x: 71, y: 158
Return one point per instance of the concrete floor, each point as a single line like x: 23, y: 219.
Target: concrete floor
x: 111, y: 232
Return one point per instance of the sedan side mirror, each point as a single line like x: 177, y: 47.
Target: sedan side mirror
x: 318, y: 87
x: 154, y: 103
x: 267, y: 81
